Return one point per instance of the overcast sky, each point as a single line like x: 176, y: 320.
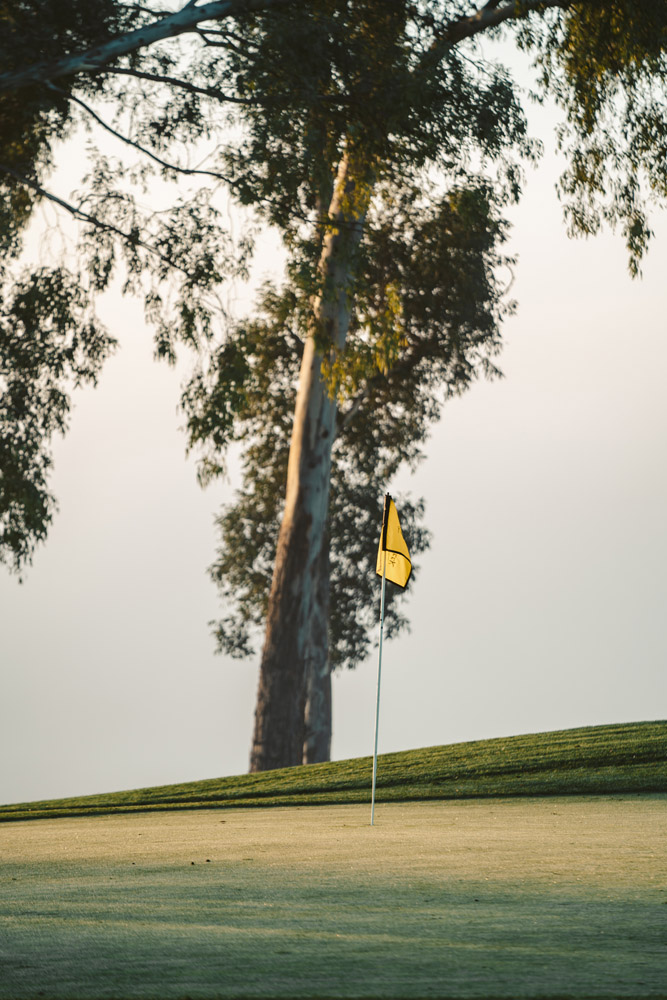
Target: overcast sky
x: 541, y: 604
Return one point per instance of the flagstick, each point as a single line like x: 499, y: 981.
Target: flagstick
x: 377, y: 706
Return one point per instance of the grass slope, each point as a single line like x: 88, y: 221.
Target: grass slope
x: 594, y: 760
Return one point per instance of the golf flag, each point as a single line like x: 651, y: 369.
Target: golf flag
x: 392, y: 542
x: 393, y: 564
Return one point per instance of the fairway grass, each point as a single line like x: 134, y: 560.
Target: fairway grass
x: 475, y: 899
x: 594, y: 760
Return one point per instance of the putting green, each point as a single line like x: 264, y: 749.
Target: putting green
x: 558, y: 897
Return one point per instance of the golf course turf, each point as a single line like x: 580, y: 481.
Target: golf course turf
x: 501, y: 886
x: 625, y: 758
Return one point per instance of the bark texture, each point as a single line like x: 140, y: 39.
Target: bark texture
x: 317, y: 716
x: 294, y: 635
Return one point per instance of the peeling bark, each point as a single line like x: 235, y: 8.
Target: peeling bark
x: 293, y: 612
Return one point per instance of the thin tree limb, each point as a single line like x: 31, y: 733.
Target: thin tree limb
x: 142, y: 149
x: 78, y: 213
x: 175, y: 81
x: 420, y: 350
x: 215, y: 93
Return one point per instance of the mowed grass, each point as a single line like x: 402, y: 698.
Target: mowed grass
x: 612, y: 759
x: 518, y: 898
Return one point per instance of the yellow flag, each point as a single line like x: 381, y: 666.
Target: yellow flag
x: 392, y: 542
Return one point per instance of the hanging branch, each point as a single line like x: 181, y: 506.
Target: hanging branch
x: 78, y: 213
x: 218, y: 95
x: 174, y: 81
x: 142, y: 149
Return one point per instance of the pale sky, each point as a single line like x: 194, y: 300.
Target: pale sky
x: 541, y: 604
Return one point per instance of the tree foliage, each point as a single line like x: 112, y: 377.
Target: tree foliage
x: 50, y: 340
x: 259, y: 373
x: 603, y: 60
x: 605, y: 65
x: 429, y: 279
x: 33, y: 118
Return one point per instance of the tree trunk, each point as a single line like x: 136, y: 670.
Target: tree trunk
x: 291, y: 627
x: 317, y: 718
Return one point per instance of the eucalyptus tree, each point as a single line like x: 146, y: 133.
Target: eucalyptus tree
x: 327, y: 116
x: 261, y: 366
x: 440, y: 267
x: 369, y: 111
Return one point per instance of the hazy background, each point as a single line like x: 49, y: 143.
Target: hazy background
x: 541, y: 604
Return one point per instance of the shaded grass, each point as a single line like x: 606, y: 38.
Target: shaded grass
x: 614, y: 759
x: 514, y: 898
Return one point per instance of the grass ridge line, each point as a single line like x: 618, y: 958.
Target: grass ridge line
x: 609, y: 759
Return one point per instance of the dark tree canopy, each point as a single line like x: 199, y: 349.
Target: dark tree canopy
x: 602, y: 60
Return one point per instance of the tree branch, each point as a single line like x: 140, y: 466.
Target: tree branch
x: 78, y: 213
x: 135, y: 145
x: 174, y: 81
x: 191, y: 16
x: 219, y: 95
x: 489, y: 16
x: 95, y: 59
x: 420, y: 350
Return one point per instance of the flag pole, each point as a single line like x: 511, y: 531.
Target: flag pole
x: 377, y: 704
